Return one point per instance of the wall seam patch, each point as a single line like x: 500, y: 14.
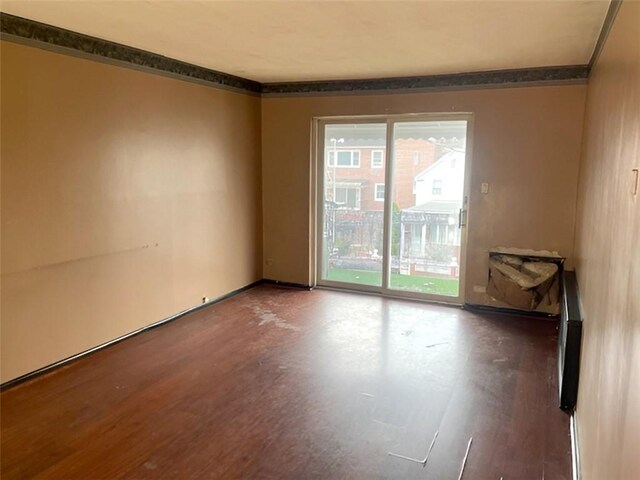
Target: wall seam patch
x: 574, y: 242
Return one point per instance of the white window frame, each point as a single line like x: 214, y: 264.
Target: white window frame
x: 375, y: 192
x: 376, y: 165
x: 355, y: 158
x: 351, y: 186
x: 434, y: 187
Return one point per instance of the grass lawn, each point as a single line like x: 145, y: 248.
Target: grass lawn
x: 438, y: 286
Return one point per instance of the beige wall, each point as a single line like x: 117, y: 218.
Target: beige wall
x: 526, y: 145
x: 608, y: 259
x: 126, y: 198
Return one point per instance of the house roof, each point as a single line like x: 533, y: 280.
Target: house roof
x: 359, y: 142
x: 350, y: 182
x: 436, y: 206
x: 448, y: 156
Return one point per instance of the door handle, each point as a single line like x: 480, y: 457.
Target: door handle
x: 462, y: 213
x: 462, y: 218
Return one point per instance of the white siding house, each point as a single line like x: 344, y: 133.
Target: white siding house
x: 442, y: 181
x: 430, y: 238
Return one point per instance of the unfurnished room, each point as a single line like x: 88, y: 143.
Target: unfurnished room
x: 320, y: 239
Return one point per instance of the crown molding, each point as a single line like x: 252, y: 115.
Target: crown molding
x: 495, y: 78
x: 40, y: 35
x: 614, y: 6
x: 22, y: 30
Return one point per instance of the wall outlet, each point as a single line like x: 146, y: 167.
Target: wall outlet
x: 268, y: 262
x: 479, y: 289
x: 484, y: 188
x: 205, y: 299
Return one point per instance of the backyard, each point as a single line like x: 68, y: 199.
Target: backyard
x: 413, y: 283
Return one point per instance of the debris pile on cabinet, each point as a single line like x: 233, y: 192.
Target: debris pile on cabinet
x: 525, y: 279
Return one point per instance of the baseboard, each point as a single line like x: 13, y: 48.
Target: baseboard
x: 48, y: 368
x: 575, y: 448
x: 286, y: 284
x: 473, y: 307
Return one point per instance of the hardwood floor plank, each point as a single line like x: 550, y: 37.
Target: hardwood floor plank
x: 282, y: 383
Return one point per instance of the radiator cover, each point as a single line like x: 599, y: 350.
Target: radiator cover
x: 569, y: 342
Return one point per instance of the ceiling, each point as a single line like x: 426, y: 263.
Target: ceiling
x: 283, y: 41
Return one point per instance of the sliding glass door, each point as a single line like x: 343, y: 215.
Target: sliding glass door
x: 392, y: 205
x: 353, y: 203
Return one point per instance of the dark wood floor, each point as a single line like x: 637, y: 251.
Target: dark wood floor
x: 280, y: 383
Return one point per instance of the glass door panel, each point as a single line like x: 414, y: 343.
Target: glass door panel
x: 427, y: 206
x: 352, y: 202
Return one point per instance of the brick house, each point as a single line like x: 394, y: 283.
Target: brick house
x: 428, y: 181
x: 357, y: 178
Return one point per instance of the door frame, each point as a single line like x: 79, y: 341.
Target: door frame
x: 318, y: 177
